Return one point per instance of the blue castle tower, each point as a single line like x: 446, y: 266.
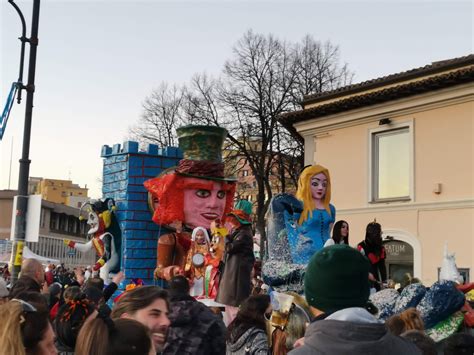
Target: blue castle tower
x: 124, y: 171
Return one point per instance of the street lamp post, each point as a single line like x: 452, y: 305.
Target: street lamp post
x: 22, y: 199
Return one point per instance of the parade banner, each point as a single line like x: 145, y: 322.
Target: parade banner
x: 6, y: 110
x: 33, y: 216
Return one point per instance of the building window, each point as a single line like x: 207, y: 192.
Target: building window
x: 245, y: 173
x: 53, y: 221
x: 391, y: 151
x: 63, y: 222
x: 42, y: 218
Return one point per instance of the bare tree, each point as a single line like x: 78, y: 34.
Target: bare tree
x: 254, y: 89
x: 319, y: 69
x: 264, y: 78
x: 160, y: 117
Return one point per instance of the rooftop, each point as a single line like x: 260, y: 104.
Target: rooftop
x: 435, y: 76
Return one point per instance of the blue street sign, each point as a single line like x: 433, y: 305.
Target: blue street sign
x: 6, y: 110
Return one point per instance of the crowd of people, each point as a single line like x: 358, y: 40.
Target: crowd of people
x: 313, y: 294
x: 72, y: 316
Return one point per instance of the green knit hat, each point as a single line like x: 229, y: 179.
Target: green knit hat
x: 337, y: 277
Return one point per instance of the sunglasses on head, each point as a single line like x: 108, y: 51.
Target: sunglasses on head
x: 27, y: 307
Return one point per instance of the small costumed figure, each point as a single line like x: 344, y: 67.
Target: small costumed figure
x: 106, y: 237
x: 196, y: 261
x: 193, y: 194
x: 214, y: 260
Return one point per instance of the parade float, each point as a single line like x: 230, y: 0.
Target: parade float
x: 104, y: 235
x: 188, y: 202
x: 297, y: 227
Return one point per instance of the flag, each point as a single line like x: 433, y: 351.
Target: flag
x: 6, y: 110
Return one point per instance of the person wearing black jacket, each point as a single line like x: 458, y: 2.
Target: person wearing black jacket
x: 31, y: 278
x: 374, y: 250
x: 337, y: 290
x: 235, y: 283
x: 194, y: 328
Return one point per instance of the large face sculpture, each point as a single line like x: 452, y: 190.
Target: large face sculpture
x: 93, y: 222
x: 204, y: 202
x: 318, y: 186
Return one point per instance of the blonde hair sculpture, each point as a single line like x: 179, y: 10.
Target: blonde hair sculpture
x: 304, y: 191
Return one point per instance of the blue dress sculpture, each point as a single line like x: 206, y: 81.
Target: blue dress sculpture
x: 297, y: 227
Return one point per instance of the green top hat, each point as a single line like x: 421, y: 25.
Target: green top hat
x: 202, y: 152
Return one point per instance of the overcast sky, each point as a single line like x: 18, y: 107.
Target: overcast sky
x: 98, y: 60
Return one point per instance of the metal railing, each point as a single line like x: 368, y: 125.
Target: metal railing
x: 54, y: 248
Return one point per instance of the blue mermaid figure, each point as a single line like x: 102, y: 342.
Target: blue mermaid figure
x: 297, y: 227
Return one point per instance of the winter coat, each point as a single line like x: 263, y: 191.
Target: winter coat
x: 63, y: 349
x: 235, y: 282
x: 352, y: 331
x: 194, y: 329
x: 253, y: 341
x: 24, y: 284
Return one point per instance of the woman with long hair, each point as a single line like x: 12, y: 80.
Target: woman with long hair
x: 372, y: 247
x: 246, y: 334
x: 340, y: 234
x: 25, y: 329
x: 104, y: 336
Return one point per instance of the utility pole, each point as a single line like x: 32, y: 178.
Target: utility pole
x: 22, y: 199
x: 10, y: 171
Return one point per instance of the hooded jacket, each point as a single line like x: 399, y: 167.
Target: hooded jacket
x: 352, y: 331
x: 252, y: 342
x: 194, y: 329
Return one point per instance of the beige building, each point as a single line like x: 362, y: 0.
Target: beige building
x: 57, y: 222
x: 247, y: 189
x: 401, y: 149
x: 59, y: 191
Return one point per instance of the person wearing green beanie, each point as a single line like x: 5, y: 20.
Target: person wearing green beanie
x: 336, y: 287
x: 335, y: 270
x: 235, y: 283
